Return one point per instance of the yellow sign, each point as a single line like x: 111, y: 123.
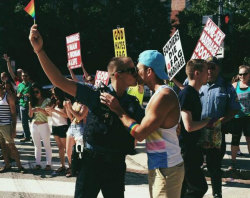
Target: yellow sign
x: 119, y: 42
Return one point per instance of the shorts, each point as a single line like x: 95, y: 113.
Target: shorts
x: 60, y: 131
x: 6, y: 134
x: 75, y: 130
x: 240, y: 125
x: 166, y: 182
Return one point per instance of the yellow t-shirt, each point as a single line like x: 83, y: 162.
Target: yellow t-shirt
x: 39, y: 116
x: 134, y: 91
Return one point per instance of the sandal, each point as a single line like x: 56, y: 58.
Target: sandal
x: 48, y: 168
x: 61, y: 169
x: 233, y: 166
x: 69, y: 173
x: 5, y: 169
x: 21, y: 170
x: 37, y: 167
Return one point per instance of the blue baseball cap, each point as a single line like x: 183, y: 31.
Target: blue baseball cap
x: 154, y: 60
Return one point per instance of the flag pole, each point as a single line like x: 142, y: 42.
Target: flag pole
x: 34, y: 21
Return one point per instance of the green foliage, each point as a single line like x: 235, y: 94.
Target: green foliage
x: 145, y: 21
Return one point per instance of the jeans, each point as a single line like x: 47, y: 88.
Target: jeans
x: 25, y: 120
x: 194, y: 184
x: 213, y: 158
x: 101, y: 172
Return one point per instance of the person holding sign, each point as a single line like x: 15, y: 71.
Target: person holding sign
x: 107, y: 140
x: 158, y: 127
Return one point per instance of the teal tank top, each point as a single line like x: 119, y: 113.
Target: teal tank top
x: 244, y: 100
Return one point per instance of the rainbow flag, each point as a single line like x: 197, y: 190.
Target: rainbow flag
x: 30, y: 9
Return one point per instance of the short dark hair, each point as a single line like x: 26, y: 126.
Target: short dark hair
x: 117, y: 63
x: 194, y: 65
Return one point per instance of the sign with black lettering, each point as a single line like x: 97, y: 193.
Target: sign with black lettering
x: 120, y: 42
x: 174, y: 56
x: 74, y: 51
x: 101, y: 76
x: 209, y: 42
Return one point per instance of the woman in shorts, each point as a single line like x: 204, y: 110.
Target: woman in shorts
x: 77, y: 113
x: 241, y: 122
x: 59, y: 124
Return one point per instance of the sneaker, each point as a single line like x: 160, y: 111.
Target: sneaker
x: 61, y: 169
x: 25, y: 140
x: 21, y: 170
x: 1, y: 157
x: 69, y: 172
x: 37, y: 167
x: 240, y: 154
x: 217, y: 196
x: 5, y: 169
x: 47, y: 168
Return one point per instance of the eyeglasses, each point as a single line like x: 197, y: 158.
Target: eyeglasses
x: 212, y: 67
x: 132, y: 71
x: 243, y: 74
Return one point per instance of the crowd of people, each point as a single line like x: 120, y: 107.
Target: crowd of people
x: 182, y: 130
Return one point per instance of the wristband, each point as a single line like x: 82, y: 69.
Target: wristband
x: 132, y: 128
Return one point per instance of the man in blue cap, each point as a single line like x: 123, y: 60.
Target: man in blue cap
x: 158, y: 127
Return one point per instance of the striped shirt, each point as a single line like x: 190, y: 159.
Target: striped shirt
x: 39, y: 116
x: 5, y: 115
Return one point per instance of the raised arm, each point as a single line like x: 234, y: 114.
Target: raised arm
x: 178, y: 84
x: 73, y: 76
x: 84, y: 71
x: 54, y: 75
x: 7, y: 59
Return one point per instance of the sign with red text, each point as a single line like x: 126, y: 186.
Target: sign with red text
x: 101, y: 76
x: 174, y: 56
x: 119, y: 42
x: 74, y: 51
x: 209, y: 42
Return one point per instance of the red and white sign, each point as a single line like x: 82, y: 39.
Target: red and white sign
x: 101, y: 76
x: 74, y: 51
x: 209, y: 42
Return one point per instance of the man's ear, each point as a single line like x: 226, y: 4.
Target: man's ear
x: 196, y: 73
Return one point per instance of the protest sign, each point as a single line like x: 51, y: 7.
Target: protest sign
x: 74, y: 51
x: 119, y: 42
x: 174, y: 56
x: 101, y: 76
x: 209, y: 42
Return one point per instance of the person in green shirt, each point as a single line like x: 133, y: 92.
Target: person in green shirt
x: 23, y: 93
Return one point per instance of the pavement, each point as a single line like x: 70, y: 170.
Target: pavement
x: 43, y: 183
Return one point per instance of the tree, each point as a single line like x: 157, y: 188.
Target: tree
x: 237, y: 41
x: 145, y: 21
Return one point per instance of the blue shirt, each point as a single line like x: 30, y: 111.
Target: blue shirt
x: 217, y: 99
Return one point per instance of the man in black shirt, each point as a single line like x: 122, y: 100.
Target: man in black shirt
x: 194, y: 184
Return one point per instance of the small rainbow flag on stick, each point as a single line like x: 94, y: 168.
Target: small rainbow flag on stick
x: 30, y: 9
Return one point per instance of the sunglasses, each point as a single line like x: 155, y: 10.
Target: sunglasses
x: 36, y: 92
x: 243, y: 74
x: 24, y: 75
x: 132, y: 71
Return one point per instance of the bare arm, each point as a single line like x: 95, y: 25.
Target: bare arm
x: 73, y: 76
x: 178, y: 84
x: 30, y: 111
x: 191, y: 125
x: 153, y: 119
x: 81, y: 114
x: 7, y: 59
x: 11, y: 101
x: 54, y: 75
x: 84, y: 72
